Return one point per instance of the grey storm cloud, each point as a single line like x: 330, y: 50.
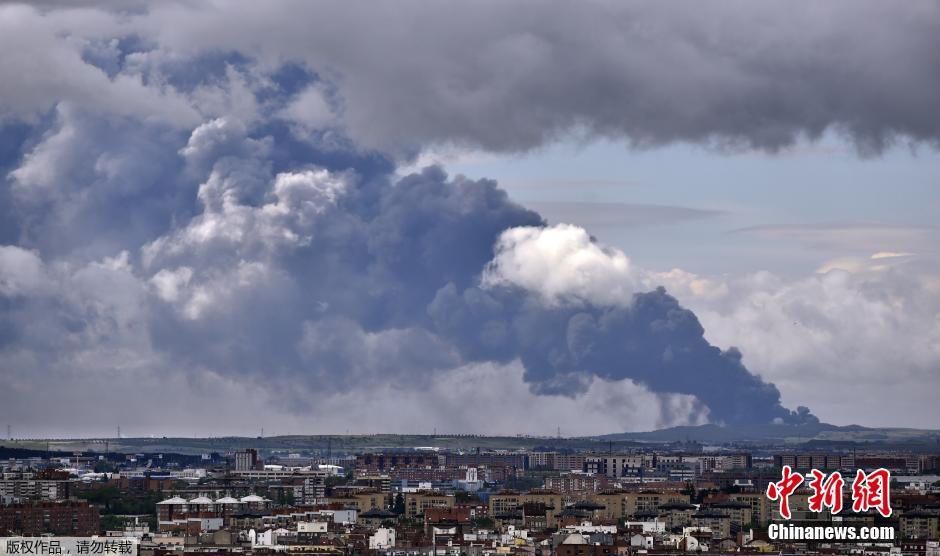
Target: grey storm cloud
x: 210, y: 189
x: 511, y: 76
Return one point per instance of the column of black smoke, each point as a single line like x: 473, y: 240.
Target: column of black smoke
x: 407, y: 255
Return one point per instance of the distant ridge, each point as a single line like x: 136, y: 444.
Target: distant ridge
x: 809, y: 436
x: 802, y: 433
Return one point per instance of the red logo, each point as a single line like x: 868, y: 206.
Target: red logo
x: 827, y: 492
x: 872, y: 491
x: 782, y: 489
x: 869, y: 491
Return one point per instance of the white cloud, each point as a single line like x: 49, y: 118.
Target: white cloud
x: 462, y: 401
x: 561, y: 263
x: 232, y: 228
x: 42, y: 66
x: 310, y: 109
x: 22, y: 272
x: 170, y: 283
x: 215, y: 137
x: 890, y: 255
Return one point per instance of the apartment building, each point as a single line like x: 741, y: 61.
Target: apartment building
x: 508, y: 502
x: 69, y: 518
x: 417, y: 502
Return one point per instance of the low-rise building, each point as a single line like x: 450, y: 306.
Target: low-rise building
x: 178, y: 513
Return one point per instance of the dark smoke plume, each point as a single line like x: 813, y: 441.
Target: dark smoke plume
x: 186, y: 192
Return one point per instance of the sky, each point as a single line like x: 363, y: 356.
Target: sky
x: 483, y: 217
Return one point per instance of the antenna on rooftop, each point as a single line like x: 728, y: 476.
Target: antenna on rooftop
x: 119, y: 431
x: 9, y: 432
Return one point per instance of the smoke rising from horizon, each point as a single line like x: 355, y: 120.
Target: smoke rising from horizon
x: 335, y: 283
x: 186, y: 200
